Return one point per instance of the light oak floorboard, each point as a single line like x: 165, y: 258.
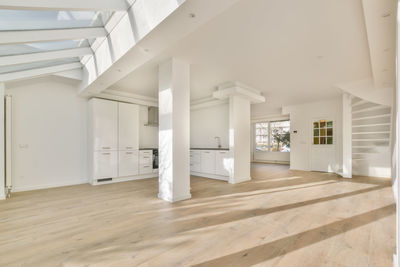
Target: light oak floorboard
x: 279, y: 218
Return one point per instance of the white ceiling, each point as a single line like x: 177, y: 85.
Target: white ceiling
x: 293, y: 51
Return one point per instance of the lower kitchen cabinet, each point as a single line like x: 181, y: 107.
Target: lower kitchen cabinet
x: 105, y: 164
x: 128, y: 163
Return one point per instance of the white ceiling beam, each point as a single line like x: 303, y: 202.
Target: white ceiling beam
x: 15, y: 37
x: 75, y: 74
x: 42, y: 56
x: 73, y: 5
x: 25, y: 74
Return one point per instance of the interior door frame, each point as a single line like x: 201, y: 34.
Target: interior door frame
x: 311, y: 136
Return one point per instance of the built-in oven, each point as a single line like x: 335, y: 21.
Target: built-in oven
x: 155, y: 158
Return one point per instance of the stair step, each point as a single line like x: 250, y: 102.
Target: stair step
x: 372, y: 128
x: 382, y: 111
x: 375, y: 107
x: 373, y: 116
x: 363, y: 105
x: 372, y: 121
x: 380, y: 143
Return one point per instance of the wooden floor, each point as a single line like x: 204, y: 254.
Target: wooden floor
x: 280, y: 218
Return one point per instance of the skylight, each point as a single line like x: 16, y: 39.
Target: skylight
x: 24, y: 21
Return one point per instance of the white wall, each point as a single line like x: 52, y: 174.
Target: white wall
x: 49, y: 127
x: 301, y: 117
x: 148, y: 135
x: 206, y: 124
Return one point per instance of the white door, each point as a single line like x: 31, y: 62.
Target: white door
x: 105, y: 164
x: 323, y: 145
x: 128, y: 163
x: 208, y: 162
x: 128, y: 126
x: 105, y: 124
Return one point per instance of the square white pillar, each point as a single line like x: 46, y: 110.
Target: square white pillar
x: 239, y: 138
x: 347, y: 136
x: 174, y: 130
x: 2, y: 143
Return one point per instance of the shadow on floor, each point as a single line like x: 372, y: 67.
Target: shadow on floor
x: 285, y: 245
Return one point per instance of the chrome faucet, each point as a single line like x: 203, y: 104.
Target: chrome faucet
x: 218, y: 139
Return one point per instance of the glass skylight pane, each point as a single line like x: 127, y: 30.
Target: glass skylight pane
x: 16, y: 49
x: 35, y: 65
x: 35, y: 20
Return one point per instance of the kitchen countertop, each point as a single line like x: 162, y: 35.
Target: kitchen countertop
x: 214, y: 148
x: 147, y: 148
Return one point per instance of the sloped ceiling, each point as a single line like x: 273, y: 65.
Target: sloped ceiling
x: 292, y: 51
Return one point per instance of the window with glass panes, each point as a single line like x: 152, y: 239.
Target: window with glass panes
x: 323, y: 132
x: 262, y: 136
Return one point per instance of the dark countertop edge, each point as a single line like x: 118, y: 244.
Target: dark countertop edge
x: 147, y: 148
x: 225, y: 149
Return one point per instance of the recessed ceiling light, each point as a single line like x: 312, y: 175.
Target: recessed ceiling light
x: 119, y: 70
x: 192, y: 15
x: 386, y: 14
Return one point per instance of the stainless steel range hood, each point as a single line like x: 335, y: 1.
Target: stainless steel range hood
x: 152, y: 117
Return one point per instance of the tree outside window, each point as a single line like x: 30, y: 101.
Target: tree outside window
x: 273, y: 136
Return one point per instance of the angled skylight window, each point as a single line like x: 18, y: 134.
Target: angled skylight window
x: 11, y: 20
x: 16, y: 49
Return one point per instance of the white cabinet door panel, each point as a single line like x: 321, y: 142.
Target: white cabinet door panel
x: 128, y: 163
x: 208, y: 161
x: 128, y: 125
x: 146, y: 168
x: 224, y: 163
x: 105, y: 164
x: 105, y: 124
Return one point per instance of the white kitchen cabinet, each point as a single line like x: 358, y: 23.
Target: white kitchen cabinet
x: 105, y: 164
x: 104, y: 124
x: 224, y: 163
x: 128, y: 126
x: 208, y: 161
x: 128, y: 163
x: 195, y: 161
x: 145, y: 161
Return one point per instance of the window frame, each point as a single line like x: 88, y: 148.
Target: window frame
x: 269, y: 122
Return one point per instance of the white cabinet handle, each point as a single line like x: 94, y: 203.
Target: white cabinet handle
x: 129, y: 147
x: 145, y: 157
x: 105, y: 153
x: 106, y: 147
x: 129, y: 153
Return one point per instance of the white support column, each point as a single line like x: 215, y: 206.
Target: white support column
x: 240, y: 97
x: 2, y: 143
x: 174, y: 130
x: 347, y: 137
x: 239, y: 138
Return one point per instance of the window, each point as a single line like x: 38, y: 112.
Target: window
x: 323, y: 132
x: 262, y: 136
x: 273, y: 136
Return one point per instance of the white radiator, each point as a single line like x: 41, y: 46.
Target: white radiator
x: 8, y: 146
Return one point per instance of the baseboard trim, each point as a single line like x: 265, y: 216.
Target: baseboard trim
x: 175, y: 199
x: 46, y: 186
x: 212, y: 176
x: 239, y: 181
x: 271, y: 162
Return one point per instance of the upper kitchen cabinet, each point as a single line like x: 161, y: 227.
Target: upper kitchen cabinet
x: 104, y: 124
x: 128, y: 126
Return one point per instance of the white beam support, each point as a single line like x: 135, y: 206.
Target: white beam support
x: 20, y: 75
x: 42, y: 56
x: 31, y: 36
x: 77, y: 5
x: 174, y: 130
x: 347, y: 136
x: 2, y: 143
